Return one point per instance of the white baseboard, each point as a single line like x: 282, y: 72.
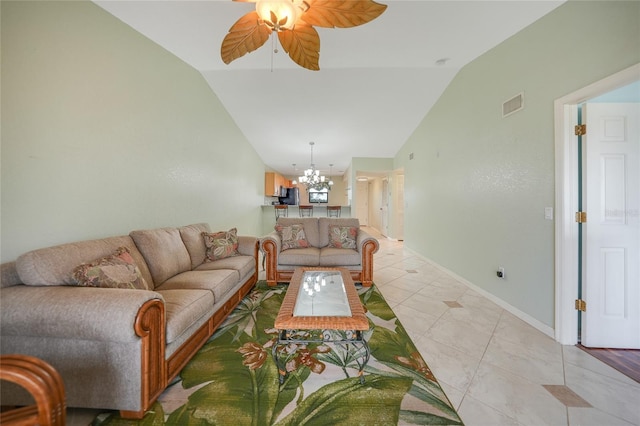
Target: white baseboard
x: 549, y: 331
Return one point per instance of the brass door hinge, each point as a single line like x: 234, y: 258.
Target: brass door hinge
x: 581, y: 305
x: 580, y: 129
x: 581, y: 217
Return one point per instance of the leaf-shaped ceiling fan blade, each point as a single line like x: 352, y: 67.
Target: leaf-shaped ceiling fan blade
x: 245, y: 36
x: 342, y: 13
x: 303, y: 46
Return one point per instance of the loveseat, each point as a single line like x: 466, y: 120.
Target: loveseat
x: 324, y: 241
x: 160, y: 294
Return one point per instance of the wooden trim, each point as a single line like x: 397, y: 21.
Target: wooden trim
x: 184, y: 353
x: 271, y: 255
x: 44, y: 384
x: 150, y: 325
x: 368, y: 249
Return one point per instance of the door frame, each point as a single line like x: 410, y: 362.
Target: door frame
x: 566, y: 188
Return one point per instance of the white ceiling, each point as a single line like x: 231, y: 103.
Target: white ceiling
x: 376, y: 82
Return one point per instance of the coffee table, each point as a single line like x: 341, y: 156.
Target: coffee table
x: 322, y: 306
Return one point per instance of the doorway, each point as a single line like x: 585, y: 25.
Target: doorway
x: 398, y: 203
x: 611, y: 235
x: 362, y: 202
x: 384, y: 208
x: 568, y: 252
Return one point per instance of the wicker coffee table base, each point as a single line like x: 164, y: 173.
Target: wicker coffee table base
x: 351, y: 341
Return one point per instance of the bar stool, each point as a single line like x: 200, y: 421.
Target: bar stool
x: 281, y: 210
x: 334, y: 211
x: 305, y: 211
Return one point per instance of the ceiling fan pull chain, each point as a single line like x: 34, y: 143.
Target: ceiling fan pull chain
x: 274, y: 48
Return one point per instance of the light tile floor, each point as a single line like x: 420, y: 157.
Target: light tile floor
x: 492, y: 365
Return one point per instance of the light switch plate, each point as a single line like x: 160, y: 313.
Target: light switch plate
x: 548, y: 213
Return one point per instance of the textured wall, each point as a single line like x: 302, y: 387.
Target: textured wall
x: 478, y: 185
x: 104, y: 132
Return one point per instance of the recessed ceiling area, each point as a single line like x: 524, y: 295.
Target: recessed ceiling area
x: 375, y: 84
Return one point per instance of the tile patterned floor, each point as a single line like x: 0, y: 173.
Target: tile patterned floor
x: 495, y: 368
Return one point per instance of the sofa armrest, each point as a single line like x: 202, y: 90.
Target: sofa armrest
x: 367, y: 246
x: 366, y: 241
x: 272, y: 238
x: 83, y: 313
x: 247, y: 246
x: 271, y: 245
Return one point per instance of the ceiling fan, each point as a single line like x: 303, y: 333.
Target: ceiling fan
x: 294, y: 21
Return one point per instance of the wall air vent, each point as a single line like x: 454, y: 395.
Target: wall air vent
x: 512, y: 105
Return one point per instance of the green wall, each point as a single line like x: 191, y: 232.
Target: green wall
x: 476, y: 190
x: 103, y: 132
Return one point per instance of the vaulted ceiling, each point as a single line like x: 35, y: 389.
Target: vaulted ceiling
x: 375, y: 84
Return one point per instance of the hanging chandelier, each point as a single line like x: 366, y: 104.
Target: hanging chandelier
x: 312, y: 179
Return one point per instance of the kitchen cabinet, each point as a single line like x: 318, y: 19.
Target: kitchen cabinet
x: 272, y: 183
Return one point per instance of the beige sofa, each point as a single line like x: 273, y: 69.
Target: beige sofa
x: 322, y: 248
x: 118, y: 348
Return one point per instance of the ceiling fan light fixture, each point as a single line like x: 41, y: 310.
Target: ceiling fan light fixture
x: 280, y: 15
x: 294, y: 21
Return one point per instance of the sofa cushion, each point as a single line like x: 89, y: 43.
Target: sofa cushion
x: 343, y: 236
x: 330, y: 256
x: 325, y: 222
x: 164, y: 252
x: 292, y: 236
x: 117, y: 270
x: 300, y: 257
x: 219, y: 282
x: 55, y: 265
x: 310, y: 225
x: 183, y: 308
x: 245, y: 265
x: 220, y: 244
x: 194, y: 242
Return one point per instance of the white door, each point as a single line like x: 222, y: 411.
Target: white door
x: 384, y: 208
x: 611, y: 235
x: 399, y: 207
x: 362, y: 202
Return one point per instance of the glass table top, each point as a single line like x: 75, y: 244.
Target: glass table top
x: 322, y: 293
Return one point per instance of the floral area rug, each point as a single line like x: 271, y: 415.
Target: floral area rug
x: 233, y: 379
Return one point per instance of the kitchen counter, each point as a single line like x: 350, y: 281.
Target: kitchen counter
x: 319, y: 210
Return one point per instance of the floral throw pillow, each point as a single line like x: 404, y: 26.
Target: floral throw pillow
x: 292, y: 236
x: 343, y: 236
x: 118, y: 270
x: 221, y: 244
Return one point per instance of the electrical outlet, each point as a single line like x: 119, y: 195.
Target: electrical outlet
x: 500, y: 272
